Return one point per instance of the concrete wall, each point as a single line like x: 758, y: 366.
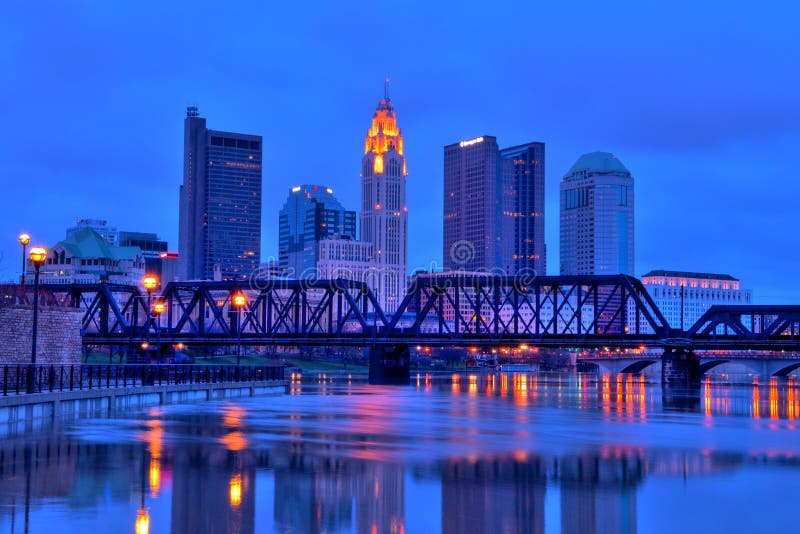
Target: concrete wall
x: 38, y: 411
x: 58, y: 338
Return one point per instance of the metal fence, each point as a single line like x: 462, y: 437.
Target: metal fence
x: 20, y: 379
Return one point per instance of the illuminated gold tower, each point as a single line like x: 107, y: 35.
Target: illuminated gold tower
x: 384, y: 215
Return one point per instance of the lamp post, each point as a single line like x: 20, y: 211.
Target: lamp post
x: 158, y: 309
x: 149, y: 282
x: 24, y: 239
x: 239, y: 301
x: 38, y: 255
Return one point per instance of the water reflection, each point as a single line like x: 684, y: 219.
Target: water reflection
x: 473, y: 453
x: 629, y: 397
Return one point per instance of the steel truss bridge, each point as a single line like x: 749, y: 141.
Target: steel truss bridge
x: 443, y: 310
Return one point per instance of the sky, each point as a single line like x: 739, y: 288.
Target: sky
x: 700, y: 100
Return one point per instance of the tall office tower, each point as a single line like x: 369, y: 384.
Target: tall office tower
x: 384, y: 215
x: 493, y: 207
x: 597, y: 217
x: 472, y: 189
x: 523, y: 204
x: 220, y: 202
x: 310, y: 214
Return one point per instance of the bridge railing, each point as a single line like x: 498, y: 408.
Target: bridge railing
x: 20, y: 379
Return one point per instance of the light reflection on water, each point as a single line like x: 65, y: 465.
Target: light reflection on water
x: 458, y: 453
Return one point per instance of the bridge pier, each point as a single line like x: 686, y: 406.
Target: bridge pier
x: 680, y: 367
x: 389, y: 364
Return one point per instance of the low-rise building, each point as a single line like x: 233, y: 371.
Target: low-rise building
x: 151, y: 246
x: 86, y: 257
x: 683, y: 297
x: 341, y: 256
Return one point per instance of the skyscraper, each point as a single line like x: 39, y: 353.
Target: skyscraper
x: 597, y: 217
x: 310, y: 214
x: 523, y: 205
x: 384, y: 215
x: 220, y: 202
x: 472, y: 214
x: 494, y: 207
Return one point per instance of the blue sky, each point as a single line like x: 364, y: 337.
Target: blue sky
x: 698, y: 99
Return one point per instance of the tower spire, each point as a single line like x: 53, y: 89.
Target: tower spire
x: 386, y: 89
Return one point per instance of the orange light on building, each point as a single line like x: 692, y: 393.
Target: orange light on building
x: 235, y: 490
x: 378, y: 166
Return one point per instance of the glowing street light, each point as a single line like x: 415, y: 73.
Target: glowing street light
x: 38, y: 255
x: 239, y: 302
x: 24, y: 239
x: 149, y: 282
x: 158, y: 309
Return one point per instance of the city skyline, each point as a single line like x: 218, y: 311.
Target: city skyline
x: 695, y: 143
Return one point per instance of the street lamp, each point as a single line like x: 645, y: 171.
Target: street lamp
x: 239, y: 302
x: 158, y: 309
x: 24, y: 239
x: 149, y: 282
x: 38, y: 255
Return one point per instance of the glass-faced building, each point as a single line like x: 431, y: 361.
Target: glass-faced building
x: 311, y: 213
x: 220, y: 202
x: 151, y: 246
x: 523, y: 208
x: 596, y: 233
x: 494, y: 207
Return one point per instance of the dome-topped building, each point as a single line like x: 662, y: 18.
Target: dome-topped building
x: 597, y: 217
x: 598, y: 163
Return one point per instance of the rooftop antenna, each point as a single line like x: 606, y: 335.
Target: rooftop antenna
x: 386, y: 89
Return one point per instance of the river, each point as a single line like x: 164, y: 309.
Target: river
x: 462, y: 453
